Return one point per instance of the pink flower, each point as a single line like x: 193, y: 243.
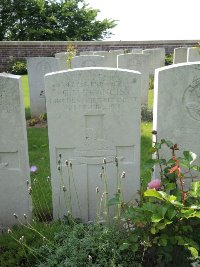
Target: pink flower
x: 33, y: 168
x: 155, y: 184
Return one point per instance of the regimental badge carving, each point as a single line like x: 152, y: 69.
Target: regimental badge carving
x: 43, y: 68
x: 191, y: 99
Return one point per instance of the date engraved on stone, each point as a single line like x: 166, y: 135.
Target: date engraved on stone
x: 191, y: 99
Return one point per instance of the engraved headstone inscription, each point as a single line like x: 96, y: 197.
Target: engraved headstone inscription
x: 137, y: 62
x: 177, y: 106
x: 93, y: 113
x: 14, y: 163
x: 37, y: 68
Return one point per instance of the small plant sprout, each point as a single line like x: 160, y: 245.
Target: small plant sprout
x: 70, y: 164
x: 104, y: 161
x: 48, y: 179
x: 89, y: 258
x: 101, y: 175
x: 66, y: 162
x: 25, y: 217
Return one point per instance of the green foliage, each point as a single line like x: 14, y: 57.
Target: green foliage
x: 72, y: 52
x: 17, y: 66
x: 88, y: 245
x: 146, y: 114
x: 151, y: 82
x: 14, y: 254
x: 168, y: 59
x: 168, y: 218
x: 41, y: 20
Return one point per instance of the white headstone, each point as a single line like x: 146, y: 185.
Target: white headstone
x: 137, y: 62
x: 37, y: 68
x: 180, y: 55
x: 86, y: 53
x: 157, y: 58
x: 176, y: 114
x: 88, y: 61
x: 110, y: 57
x: 93, y: 114
x: 193, y: 54
x: 14, y: 162
x: 136, y: 50
x: 63, y: 56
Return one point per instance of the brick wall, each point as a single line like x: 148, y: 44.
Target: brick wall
x: 23, y: 49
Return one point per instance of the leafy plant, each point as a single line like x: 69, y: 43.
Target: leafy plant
x: 17, y: 66
x: 169, y: 216
x: 168, y: 59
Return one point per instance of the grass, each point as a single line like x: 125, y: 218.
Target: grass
x: 25, y: 87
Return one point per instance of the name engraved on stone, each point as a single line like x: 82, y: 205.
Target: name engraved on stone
x: 100, y: 97
x: 191, y: 99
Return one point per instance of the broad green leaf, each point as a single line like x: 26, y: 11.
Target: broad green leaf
x: 115, y: 200
x: 189, y: 156
x: 197, y: 214
x: 156, y: 217
x: 162, y: 161
x: 150, y: 163
x: 157, y: 145
x: 195, y: 189
x: 186, y: 214
x: 161, y: 225
x: 184, y: 163
x: 153, y: 230
x: 149, y: 207
x: 171, y: 213
x: 153, y: 193
x: 152, y: 149
x: 170, y: 186
x: 196, y: 168
x: 124, y: 246
x: 163, y: 242
x: 167, y: 142
x: 194, y: 252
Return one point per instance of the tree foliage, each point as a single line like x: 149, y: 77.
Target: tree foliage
x: 43, y: 20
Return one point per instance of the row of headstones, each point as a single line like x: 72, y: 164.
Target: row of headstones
x: 145, y: 61
x: 186, y: 54
x: 93, y: 114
